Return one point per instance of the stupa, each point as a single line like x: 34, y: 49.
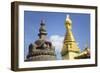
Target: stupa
x: 41, y: 49
x: 70, y: 48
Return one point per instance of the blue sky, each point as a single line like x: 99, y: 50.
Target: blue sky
x: 54, y: 22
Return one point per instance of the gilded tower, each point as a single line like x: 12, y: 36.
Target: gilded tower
x: 70, y: 48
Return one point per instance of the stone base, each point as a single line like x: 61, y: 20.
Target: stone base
x: 42, y: 58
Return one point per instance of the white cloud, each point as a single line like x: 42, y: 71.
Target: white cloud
x: 57, y: 41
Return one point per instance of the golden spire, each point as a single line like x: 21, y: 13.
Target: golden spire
x: 68, y: 20
x: 70, y: 48
x: 68, y: 23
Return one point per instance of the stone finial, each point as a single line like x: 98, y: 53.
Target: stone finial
x: 42, y: 29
